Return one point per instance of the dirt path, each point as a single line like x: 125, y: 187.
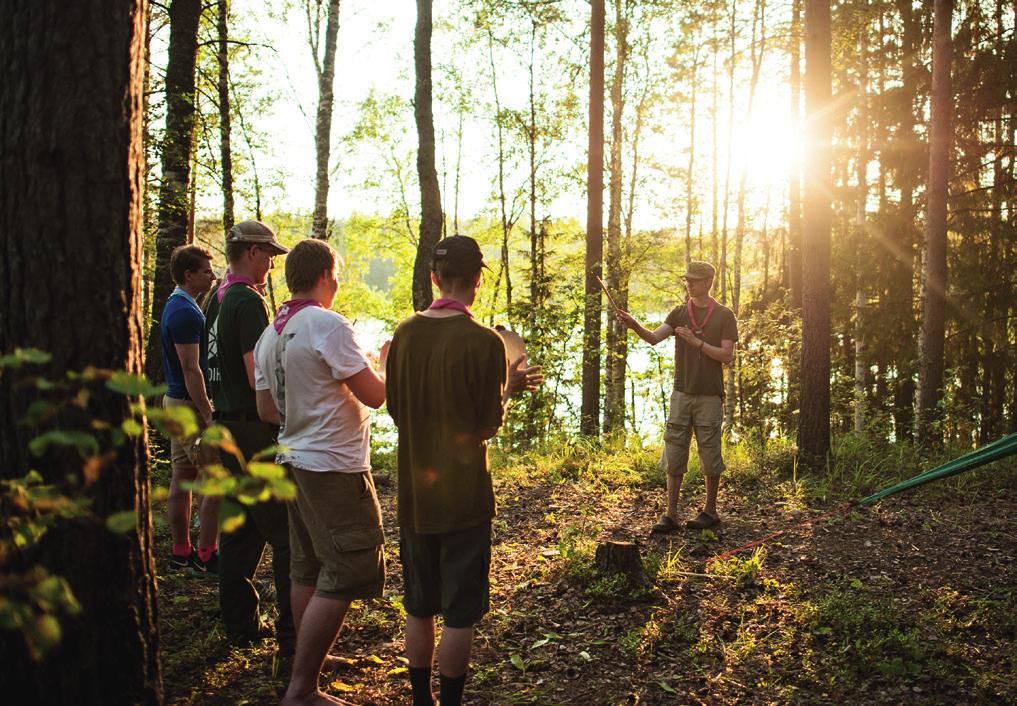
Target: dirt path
x: 909, y: 602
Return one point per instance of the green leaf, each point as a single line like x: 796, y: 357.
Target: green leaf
x: 397, y: 670
x: 268, y: 471
x: 84, y: 443
x: 857, y: 584
x: 20, y: 356
x: 518, y: 662
x: 666, y: 687
x: 540, y: 643
x: 122, y: 522
x: 131, y: 427
x: 376, y: 659
x: 231, y: 516
x: 585, y: 655
x: 130, y: 384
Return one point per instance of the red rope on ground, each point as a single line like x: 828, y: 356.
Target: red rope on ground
x: 767, y: 538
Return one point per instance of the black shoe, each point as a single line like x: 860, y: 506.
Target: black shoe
x: 204, y: 568
x: 182, y: 563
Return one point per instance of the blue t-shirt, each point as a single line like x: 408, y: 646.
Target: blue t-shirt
x: 181, y: 322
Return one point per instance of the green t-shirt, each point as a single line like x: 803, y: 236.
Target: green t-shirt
x: 444, y: 381
x: 232, y: 327
x: 696, y: 373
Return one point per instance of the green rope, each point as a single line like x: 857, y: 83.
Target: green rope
x: 987, y: 454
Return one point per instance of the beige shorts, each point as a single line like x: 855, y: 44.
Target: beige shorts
x: 699, y: 414
x: 336, y: 539
x: 182, y: 458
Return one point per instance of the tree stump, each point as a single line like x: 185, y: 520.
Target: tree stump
x: 622, y: 557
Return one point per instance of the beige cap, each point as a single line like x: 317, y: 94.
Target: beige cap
x: 254, y: 232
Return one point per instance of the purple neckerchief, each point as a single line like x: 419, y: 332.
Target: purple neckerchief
x: 445, y: 303
x: 288, y: 310
x: 228, y: 281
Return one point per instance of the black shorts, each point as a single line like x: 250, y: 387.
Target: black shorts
x: 447, y: 574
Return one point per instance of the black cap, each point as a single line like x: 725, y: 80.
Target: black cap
x: 460, y: 253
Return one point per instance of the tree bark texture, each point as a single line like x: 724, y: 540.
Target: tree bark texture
x: 174, y: 201
x: 861, y: 176
x: 71, y: 182
x: 323, y: 123
x: 590, y: 410
x: 794, y: 217
x: 225, y: 130
x: 930, y: 389
x: 614, y: 398
x: 430, y: 195
x: 814, y: 417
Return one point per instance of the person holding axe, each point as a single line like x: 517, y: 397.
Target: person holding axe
x: 705, y: 334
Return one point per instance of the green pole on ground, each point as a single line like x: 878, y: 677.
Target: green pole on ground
x: 987, y: 454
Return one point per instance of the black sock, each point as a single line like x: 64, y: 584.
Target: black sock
x: 420, y: 680
x: 451, y: 690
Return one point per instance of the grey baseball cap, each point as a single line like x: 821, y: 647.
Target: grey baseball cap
x: 255, y: 232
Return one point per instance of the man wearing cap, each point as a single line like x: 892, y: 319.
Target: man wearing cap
x: 236, y: 316
x: 705, y: 335
x: 446, y: 389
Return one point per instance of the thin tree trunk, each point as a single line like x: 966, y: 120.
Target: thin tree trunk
x: 689, y: 174
x: 323, y: 122
x: 715, y: 120
x: 430, y: 195
x: 794, y: 218
x: 722, y: 265
x: 861, y: 172
x: 590, y: 411
x: 814, y: 418
x: 506, y: 226
x: 174, y: 204
x: 71, y: 183
x: 531, y: 135
x: 614, y: 399
x: 930, y: 390
x: 224, y: 116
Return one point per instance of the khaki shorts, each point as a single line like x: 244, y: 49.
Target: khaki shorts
x: 702, y: 414
x: 182, y: 458
x: 336, y: 539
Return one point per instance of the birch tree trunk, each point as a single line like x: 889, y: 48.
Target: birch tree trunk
x: 430, y: 195
x: 323, y: 122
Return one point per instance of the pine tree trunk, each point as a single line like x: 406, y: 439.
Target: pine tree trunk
x: 930, y: 390
x: 814, y: 418
x: 861, y: 172
x: 225, y: 129
x: 71, y: 182
x: 690, y: 171
x: 614, y: 398
x: 430, y: 195
x: 323, y: 121
x: 174, y: 201
x: 590, y: 411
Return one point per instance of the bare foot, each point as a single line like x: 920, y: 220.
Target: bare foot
x: 334, y: 663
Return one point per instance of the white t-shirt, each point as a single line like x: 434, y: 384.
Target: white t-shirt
x: 324, y: 426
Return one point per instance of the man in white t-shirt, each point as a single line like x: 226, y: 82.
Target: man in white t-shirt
x: 313, y: 380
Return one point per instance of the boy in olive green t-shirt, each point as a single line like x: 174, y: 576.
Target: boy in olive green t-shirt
x: 446, y: 389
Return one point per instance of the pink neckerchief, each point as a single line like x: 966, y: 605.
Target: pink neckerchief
x: 228, y: 281
x: 697, y: 328
x: 446, y: 303
x: 289, y: 309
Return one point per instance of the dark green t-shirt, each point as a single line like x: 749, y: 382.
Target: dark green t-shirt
x: 232, y: 327
x: 444, y: 381
x: 696, y: 373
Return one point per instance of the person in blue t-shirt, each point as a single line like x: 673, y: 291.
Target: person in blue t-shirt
x: 186, y: 370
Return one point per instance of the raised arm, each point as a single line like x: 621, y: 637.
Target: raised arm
x: 652, y: 337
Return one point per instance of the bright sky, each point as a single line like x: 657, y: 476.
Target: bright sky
x: 375, y: 53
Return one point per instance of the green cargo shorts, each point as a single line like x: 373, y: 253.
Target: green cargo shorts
x: 447, y: 573
x: 336, y: 538
x: 699, y: 414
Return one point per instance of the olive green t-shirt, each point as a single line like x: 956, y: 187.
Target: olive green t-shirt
x: 232, y: 327
x: 696, y: 373
x: 444, y: 382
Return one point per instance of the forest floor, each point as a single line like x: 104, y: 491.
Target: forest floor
x: 910, y: 601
